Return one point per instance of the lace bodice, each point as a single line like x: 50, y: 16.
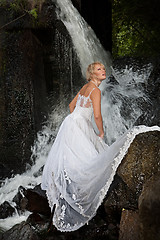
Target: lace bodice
x: 84, y: 101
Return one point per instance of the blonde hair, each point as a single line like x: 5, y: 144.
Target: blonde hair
x: 90, y: 70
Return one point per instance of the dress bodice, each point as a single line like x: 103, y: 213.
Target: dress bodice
x: 84, y: 106
x: 84, y: 101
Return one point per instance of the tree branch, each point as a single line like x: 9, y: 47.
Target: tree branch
x: 12, y: 21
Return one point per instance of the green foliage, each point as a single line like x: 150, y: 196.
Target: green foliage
x: 32, y: 7
x: 136, y: 27
x: 34, y: 13
x: 16, y: 5
x: 3, y: 3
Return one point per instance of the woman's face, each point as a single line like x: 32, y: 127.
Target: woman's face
x: 99, y: 72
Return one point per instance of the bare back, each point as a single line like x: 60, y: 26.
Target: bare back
x: 86, y: 89
x: 84, y: 99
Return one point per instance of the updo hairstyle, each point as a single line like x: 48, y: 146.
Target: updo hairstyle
x: 90, y: 70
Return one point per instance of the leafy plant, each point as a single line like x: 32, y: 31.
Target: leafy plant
x: 135, y: 27
x: 34, y: 13
x: 32, y: 7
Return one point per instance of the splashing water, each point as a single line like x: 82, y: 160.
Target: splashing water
x: 120, y: 104
x: 122, y: 101
x: 87, y: 45
x: 32, y: 177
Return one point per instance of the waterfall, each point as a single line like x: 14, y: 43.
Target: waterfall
x: 121, y: 103
x: 87, y: 45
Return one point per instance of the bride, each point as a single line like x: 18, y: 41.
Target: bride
x: 81, y: 166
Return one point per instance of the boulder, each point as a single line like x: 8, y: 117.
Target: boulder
x: 6, y: 210
x: 120, y: 195
x: 129, y: 225
x: 33, y: 200
x: 20, y: 231
x: 141, y: 162
x: 37, y: 201
x: 149, y: 209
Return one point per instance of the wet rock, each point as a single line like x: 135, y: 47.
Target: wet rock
x: 149, y: 209
x: 35, y: 228
x: 153, y: 89
x: 34, y: 66
x: 129, y: 225
x: 3, y: 171
x: 6, y: 210
x: 119, y: 196
x: 34, y: 218
x: 23, y: 231
x: 39, y: 223
x: 33, y: 200
x: 18, y: 198
x: 141, y: 162
x: 37, y: 201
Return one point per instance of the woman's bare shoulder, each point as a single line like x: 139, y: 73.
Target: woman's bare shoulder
x: 83, y: 89
x: 84, y: 86
x: 96, y: 91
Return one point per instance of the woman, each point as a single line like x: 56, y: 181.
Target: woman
x: 91, y: 93
x: 80, y: 166
x: 65, y: 175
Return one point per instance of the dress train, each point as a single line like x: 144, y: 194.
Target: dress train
x: 81, y: 166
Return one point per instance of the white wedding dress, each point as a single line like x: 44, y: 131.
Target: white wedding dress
x: 80, y: 167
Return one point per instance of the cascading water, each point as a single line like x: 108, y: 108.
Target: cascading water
x: 86, y: 43
x: 120, y: 103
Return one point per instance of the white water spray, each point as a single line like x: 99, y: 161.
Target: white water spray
x: 122, y: 102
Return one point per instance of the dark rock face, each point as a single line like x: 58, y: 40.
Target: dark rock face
x: 149, y: 209
x: 99, y: 17
x: 140, y: 171
x: 35, y: 197
x: 129, y: 225
x: 33, y: 200
x: 6, y: 210
x: 118, y: 197
x: 33, y: 56
x: 121, y: 195
x: 21, y: 231
x: 153, y: 89
x: 141, y: 161
x: 23, y: 98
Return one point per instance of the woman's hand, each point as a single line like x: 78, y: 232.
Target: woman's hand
x: 101, y: 135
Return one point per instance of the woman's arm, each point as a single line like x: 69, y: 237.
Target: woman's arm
x: 96, y: 101
x: 73, y: 103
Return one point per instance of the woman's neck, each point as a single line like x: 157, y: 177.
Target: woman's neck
x: 95, y: 82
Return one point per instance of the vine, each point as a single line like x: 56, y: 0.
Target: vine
x: 24, y: 7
